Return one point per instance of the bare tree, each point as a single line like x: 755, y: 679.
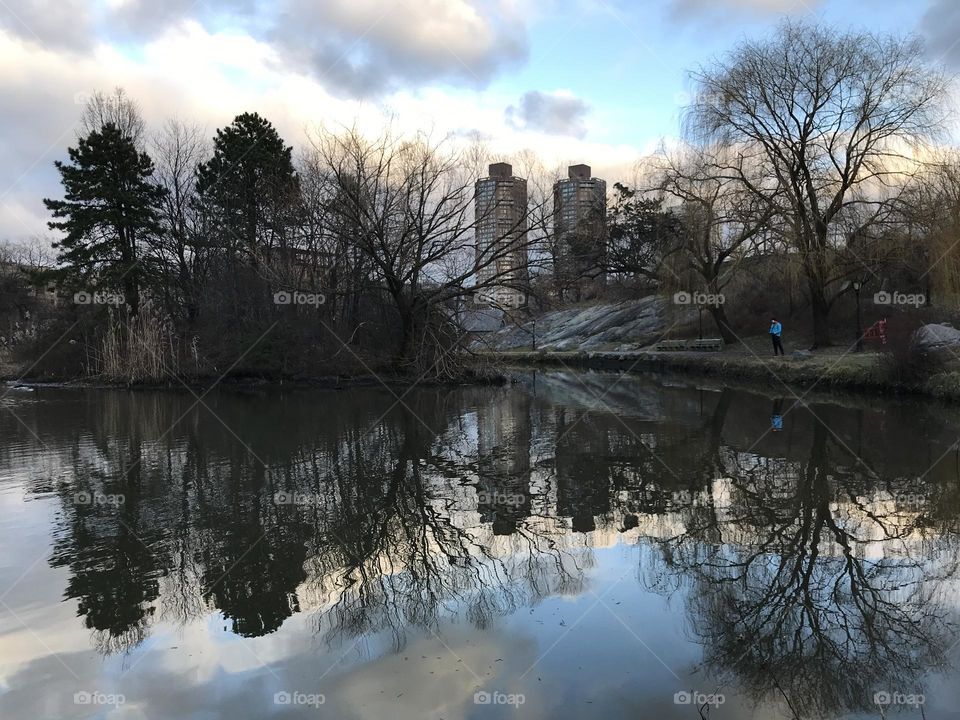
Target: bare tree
x: 833, y: 115
x: 178, y: 149
x: 116, y: 107
x: 722, y: 217
x: 543, y: 252
x: 35, y: 254
x: 407, y: 206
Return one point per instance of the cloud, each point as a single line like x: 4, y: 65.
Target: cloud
x: 941, y: 27
x: 557, y: 113
x: 53, y: 24
x: 699, y: 10
x: 357, y: 47
x: 364, y: 47
x: 148, y: 18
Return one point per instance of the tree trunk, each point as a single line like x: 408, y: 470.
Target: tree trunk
x: 820, y: 307
x: 403, y: 359
x: 720, y: 318
x: 821, y: 318
x: 406, y: 357
x: 131, y: 290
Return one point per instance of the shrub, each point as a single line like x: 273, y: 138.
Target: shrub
x: 905, y: 363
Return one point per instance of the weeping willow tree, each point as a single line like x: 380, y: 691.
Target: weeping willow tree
x: 931, y: 234
x: 833, y: 115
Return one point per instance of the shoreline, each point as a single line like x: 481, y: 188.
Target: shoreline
x: 241, y: 383
x: 822, y: 373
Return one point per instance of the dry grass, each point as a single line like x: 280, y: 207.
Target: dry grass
x: 141, y: 349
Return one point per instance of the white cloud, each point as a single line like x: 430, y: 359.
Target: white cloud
x: 556, y: 113
x: 358, y: 47
x: 364, y: 47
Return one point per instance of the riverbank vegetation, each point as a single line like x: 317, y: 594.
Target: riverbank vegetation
x: 182, y: 258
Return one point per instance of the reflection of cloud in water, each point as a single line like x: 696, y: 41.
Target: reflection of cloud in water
x: 438, y: 684
x: 247, y: 673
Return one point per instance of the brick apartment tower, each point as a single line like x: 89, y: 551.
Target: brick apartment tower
x: 580, y: 230
x: 501, y: 222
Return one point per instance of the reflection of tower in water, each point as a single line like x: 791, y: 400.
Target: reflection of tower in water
x: 582, y: 459
x: 503, y: 461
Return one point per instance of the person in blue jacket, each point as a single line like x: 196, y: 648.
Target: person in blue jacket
x: 776, y: 331
x: 776, y: 416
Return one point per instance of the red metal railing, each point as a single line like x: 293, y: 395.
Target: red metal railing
x: 876, y: 332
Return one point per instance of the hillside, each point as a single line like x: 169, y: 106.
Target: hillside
x: 625, y: 325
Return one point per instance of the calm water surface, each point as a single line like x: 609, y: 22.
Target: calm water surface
x: 569, y: 546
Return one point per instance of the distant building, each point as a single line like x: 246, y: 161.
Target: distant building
x: 580, y: 230
x: 501, y: 236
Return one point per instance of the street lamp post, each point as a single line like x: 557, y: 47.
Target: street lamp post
x: 856, y: 284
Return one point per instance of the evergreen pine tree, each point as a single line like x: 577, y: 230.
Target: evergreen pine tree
x: 109, y: 211
x: 249, y: 187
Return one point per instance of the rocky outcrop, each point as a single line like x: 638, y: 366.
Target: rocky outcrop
x: 936, y: 337
x: 625, y: 325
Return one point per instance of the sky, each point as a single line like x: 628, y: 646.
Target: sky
x: 601, y: 82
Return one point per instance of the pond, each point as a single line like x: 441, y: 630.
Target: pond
x: 569, y: 545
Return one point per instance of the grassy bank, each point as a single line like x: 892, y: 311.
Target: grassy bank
x: 836, y: 369
x: 479, y: 375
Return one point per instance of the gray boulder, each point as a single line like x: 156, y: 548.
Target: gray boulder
x: 624, y: 325
x: 936, y: 337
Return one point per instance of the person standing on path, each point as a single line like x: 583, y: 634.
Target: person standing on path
x: 776, y: 331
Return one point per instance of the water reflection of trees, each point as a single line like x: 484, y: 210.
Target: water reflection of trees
x: 391, y: 534
x: 806, y: 564
x: 810, y: 575
x: 399, y: 551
